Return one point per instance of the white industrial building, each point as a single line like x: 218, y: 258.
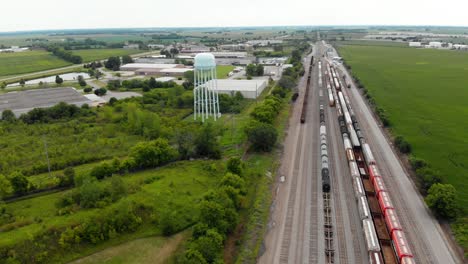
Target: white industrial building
x: 415, y: 44
x: 265, y: 42
x: 435, y: 44
x: 250, y: 89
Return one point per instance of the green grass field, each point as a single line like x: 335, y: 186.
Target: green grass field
x: 99, y: 54
x: 28, y: 61
x: 425, y: 93
x: 223, y: 70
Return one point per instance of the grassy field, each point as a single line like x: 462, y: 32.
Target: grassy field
x: 154, y: 249
x: 373, y: 43
x: 99, y: 54
x: 28, y: 61
x: 223, y: 70
x: 425, y: 94
x: 179, y: 185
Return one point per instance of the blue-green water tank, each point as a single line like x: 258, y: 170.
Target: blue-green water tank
x: 204, y: 61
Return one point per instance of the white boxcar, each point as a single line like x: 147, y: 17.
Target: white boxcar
x: 364, y: 211
x: 354, y: 169
x: 370, y: 235
x: 368, y: 154
x: 358, y: 188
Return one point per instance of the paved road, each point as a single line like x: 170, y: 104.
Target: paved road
x: 428, y: 242
x: 296, y: 233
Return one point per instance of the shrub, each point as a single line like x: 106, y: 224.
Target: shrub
x: 209, y: 245
x: 153, y: 153
x: 441, y: 200
x: 88, y: 90
x: 262, y: 136
x: 235, y: 165
x: 206, y: 142
x: 402, y: 145
x: 417, y: 163
x: 102, y: 170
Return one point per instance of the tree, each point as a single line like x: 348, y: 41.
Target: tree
x: 173, y: 52
x: 402, y: 144
x: 112, y: 101
x: 58, y: 80
x: 235, y: 165
x: 127, y: 59
x: 192, y: 256
x: 185, y: 146
x: 97, y: 74
x: 152, y: 153
x: 190, y: 76
x: 262, y: 136
x: 8, y: 116
x: 19, y: 183
x: 88, y: 89
x: 68, y: 177
x: 90, y: 193
x: 22, y: 82
x: 100, y: 91
x: 209, y: 245
x: 251, y: 70
x: 286, y: 82
x: 260, y: 70
x: 152, y: 83
x: 206, y: 142
x: 441, y: 199
x: 3, y: 85
x: 5, y: 187
x: 113, y: 63
x: 102, y: 170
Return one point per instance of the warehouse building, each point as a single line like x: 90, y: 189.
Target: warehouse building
x: 250, y: 89
x: 25, y: 101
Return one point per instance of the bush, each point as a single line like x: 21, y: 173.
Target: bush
x: 262, y: 136
x: 153, y: 153
x: 102, y: 170
x: 19, y: 183
x: 235, y: 166
x: 209, y: 245
x: 206, y: 142
x: 427, y: 177
x: 87, y: 90
x: 441, y: 200
x: 417, y: 163
x: 100, y: 91
x: 402, y: 145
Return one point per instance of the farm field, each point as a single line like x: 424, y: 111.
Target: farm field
x: 28, y: 61
x: 100, y: 54
x: 425, y: 95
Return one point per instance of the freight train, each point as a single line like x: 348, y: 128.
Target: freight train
x: 309, y: 80
x: 383, y: 232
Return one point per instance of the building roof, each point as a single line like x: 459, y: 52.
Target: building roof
x: 149, y: 66
x: 175, y: 70
x: 24, y: 101
x: 165, y: 79
x: 239, y: 85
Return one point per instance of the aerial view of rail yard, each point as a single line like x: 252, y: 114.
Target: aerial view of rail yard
x: 245, y: 132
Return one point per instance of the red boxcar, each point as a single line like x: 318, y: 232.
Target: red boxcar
x: 385, y: 202
x: 391, y: 219
x: 401, y: 245
x: 379, y: 185
x: 374, y: 171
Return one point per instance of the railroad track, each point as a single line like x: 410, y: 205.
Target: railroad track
x: 287, y: 233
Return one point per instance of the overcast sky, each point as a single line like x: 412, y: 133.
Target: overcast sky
x: 67, y: 14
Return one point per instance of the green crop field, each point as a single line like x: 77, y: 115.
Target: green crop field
x: 99, y: 54
x: 425, y: 94
x: 28, y: 61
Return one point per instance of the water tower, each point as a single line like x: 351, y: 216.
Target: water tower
x: 205, y: 94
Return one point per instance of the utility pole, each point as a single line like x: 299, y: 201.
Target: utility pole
x: 47, y: 155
